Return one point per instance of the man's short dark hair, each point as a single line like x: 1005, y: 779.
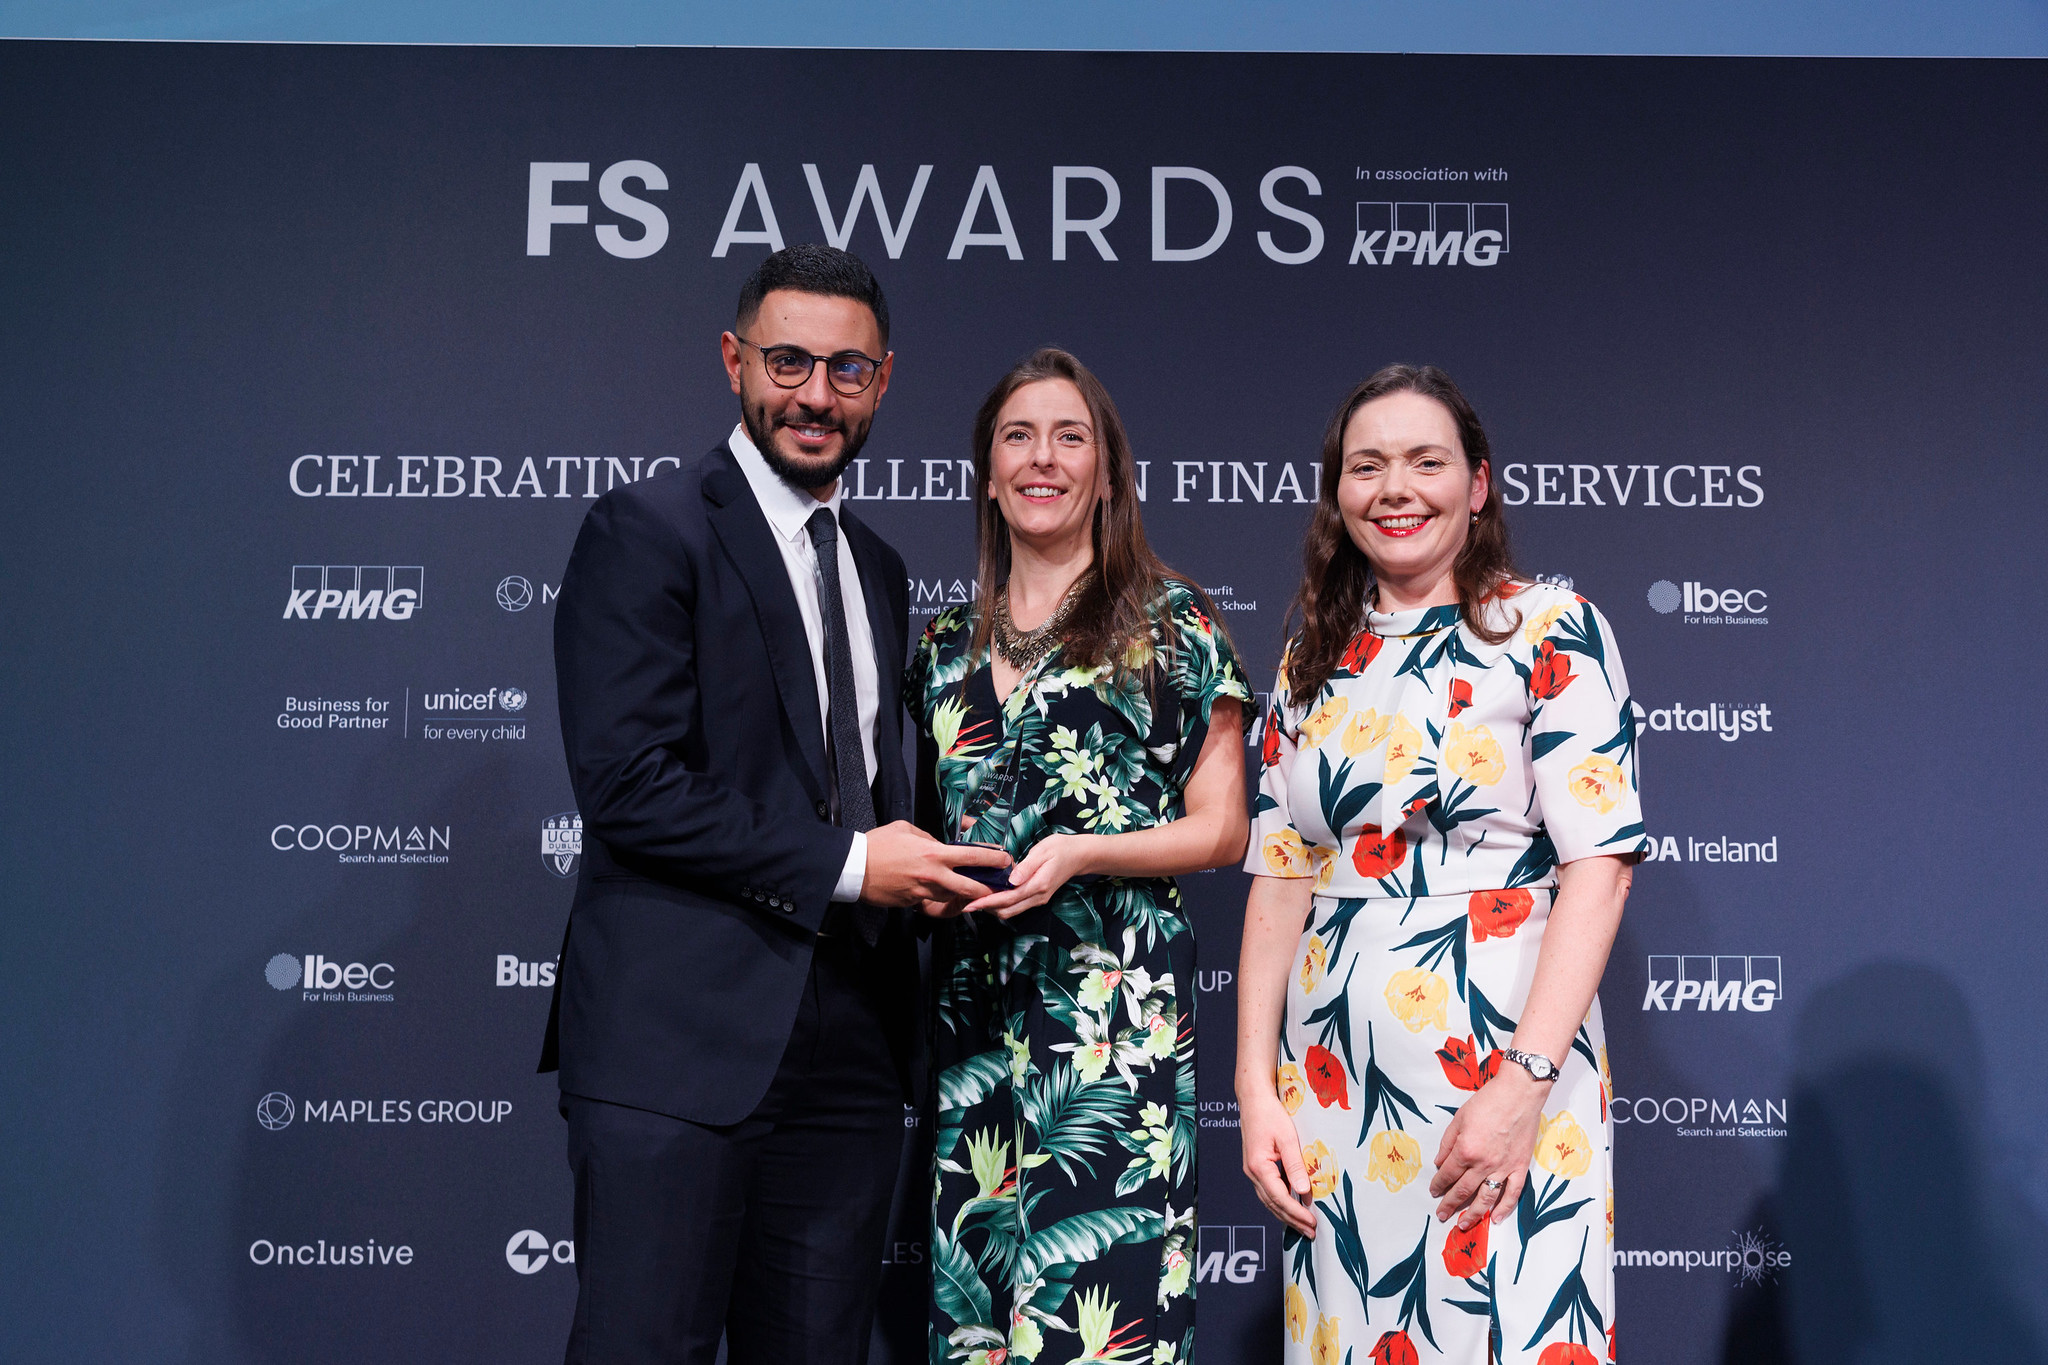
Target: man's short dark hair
x: 811, y: 268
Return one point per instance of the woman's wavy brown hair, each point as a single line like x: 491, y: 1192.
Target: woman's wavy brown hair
x: 1114, y: 609
x: 1336, y: 577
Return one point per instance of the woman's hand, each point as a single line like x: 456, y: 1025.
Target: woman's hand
x: 1491, y: 1137
x: 1272, y: 1161
x: 1052, y: 862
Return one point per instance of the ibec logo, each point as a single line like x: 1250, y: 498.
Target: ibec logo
x: 1713, y: 984
x: 1224, y: 1252
x: 513, y: 972
x: 355, y: 592
x: 320, y: 979
x: 530, y: 1252
x: 1705, y: 606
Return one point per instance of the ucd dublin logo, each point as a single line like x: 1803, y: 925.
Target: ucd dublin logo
x: 561, y: 842
x: 274, y: 1111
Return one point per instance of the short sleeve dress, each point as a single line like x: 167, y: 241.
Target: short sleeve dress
x: 1063, y: 1039
x: 1431, y: 789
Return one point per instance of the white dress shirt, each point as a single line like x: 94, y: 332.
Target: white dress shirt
x: 789, y: 511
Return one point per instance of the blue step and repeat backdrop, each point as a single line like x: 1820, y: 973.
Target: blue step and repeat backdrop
x: 315, y: 357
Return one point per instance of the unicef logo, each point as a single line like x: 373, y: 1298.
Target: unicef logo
x: 282, y: 972
x: 274, y: 1111
x: 1665, y: 597
x: 514, y: 593
x: 512, y: 698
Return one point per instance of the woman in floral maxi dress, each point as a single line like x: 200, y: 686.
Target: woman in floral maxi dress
x: 1063, y: 1027
x: 1446, y: 818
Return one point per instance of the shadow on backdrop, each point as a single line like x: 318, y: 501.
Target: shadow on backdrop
x: 1888, y: 1199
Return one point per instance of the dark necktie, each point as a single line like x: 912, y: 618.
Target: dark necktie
x: 853, y: 805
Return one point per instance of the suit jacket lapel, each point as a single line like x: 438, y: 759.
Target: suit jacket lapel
x: 743, y: 530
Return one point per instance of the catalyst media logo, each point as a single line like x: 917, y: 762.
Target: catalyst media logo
x: 1730, y: 720
x: 1712, y: 984
x: 561, y: 842
x: 1705, y: 606
x: 530, y: 1252
x: 355, y: 592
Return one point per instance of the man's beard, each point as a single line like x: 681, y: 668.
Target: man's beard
x: 803, y: 477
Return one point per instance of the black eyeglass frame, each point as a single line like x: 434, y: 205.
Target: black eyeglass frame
x: 874, y: 366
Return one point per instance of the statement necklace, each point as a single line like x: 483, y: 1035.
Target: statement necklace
x: 1022, y: 649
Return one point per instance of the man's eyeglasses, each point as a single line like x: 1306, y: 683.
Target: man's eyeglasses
x: 850, y: 372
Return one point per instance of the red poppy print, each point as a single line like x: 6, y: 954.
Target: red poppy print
x: 1567, y: 1353
x: 1552, y: 673
x: 1461, y: 696
x: 1459, y: 1057
x: 1497, y: 914
x: 1465, y: 1252
x: 1361, y: 652
x: 1326, y: 1077
x: 1377, y: 854
x: 1393, y: 1348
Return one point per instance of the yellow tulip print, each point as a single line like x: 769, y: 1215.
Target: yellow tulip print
x: 1291, y: 1088
x: 1418, y: 997
x: 1321, y: 1167
x: 1394, y: 1159
x: 1562, y: 1147
x: 1324, y: 719
x: 1286, y: 855
x: 1323, y: 1348
x: 1313, y: 964
x: 1404, y: 747
x: 1296, y: 1309
x: 1539, y: 625
x: 1474, y: 754
x: 1599, y: 783
x: 1365, y: 730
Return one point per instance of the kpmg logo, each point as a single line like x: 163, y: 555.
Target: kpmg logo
x: 1714, y: 983
x: 321, y: 980
x: 1753, y: 1258
x: 561, y: 842
x: 1236, y: 1254
x: 1705, y: 606
x: 529, y: 1252
x: 274, y: 1112
x: 366, y: 843
x: 1430, y: 234
x: 1730, y: 720
x: 354, y: 592
x: 1704, y: 1116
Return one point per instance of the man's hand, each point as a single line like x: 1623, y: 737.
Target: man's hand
x: 907, y: 867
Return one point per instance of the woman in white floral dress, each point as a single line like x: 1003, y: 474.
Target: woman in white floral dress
x: 1446, y: 822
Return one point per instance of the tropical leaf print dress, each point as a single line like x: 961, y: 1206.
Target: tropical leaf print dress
x: 1063, y: 1039
x: 1431, y: 789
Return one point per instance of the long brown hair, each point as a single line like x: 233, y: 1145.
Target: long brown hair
x: 1336, y: 577
x: 1114, y: 609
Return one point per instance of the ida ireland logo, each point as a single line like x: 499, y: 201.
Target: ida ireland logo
x: 561, y: 842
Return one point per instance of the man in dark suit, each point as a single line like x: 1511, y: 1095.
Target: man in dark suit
x: 736, y: 1008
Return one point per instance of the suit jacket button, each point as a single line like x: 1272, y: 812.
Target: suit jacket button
x: 824, y: 811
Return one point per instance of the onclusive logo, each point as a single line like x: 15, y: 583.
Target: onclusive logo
x: 1224, y: 1252
x: 1695, y: 1116
x: 530, y: 1252
x: 371, y: 1252
x: 1753, y: 1258
x: 366, y: 843
x: 354, y: 592
x: 1705, y: 606
x: 322, y: 981
x: 561, y: 842
x: 1714, y: 983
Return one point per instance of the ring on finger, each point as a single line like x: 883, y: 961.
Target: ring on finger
x: 1494, y: 1183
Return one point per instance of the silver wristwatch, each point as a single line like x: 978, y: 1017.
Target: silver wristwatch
x: 1542, y: 1068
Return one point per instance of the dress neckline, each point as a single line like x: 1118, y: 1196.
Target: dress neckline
x: 1396, y: 625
